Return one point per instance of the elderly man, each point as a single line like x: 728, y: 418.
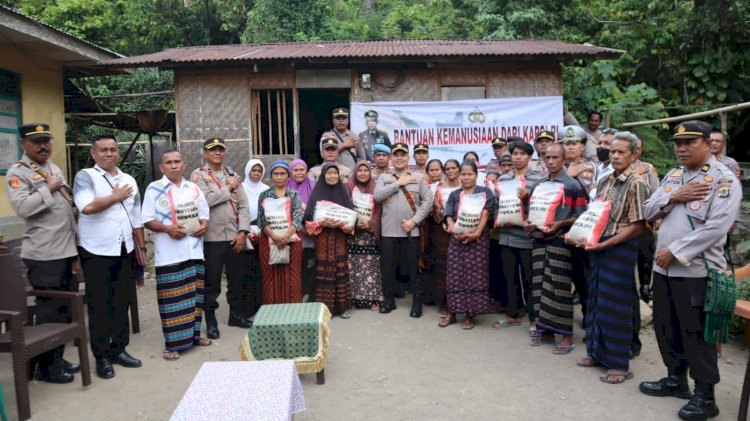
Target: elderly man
x: 718, y: 143
x: 109, y: 229
x: 329, y: 150
x: 177, y: 212
x: 350, y: 148
x: 38, y: 194
x: 373, y: 136
x: 698, y: 202
x: 225, y: 239
x: 406, y: 201
x: 382, y: 160
x: 612, y: 292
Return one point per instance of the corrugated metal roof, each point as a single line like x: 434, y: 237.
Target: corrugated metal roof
x: 363, y: 50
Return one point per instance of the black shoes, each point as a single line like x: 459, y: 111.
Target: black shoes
x: 634, y: 352
x: 69, y: 366
x: 239, y: 320
x: 126, y: 360
x: 104, y: 368
x: 701, y: 406
x: 673, y: 385
x: 53, y: 374
x: 387, y: 305
x: 416, y: 308
x: 212, y: 327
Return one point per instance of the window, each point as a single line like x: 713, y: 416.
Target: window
x: 10, y: 119
x: 273, y: 133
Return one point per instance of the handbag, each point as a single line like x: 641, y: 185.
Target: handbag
x: 278, y: 255
x: 719, y: 303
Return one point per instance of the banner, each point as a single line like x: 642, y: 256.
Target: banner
x: 452, y: 128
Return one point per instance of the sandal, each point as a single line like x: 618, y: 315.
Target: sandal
x: 534, y: 332
x: 505, y: 323
x: 170, y: 355
x: 447, y: 321
x: 541, y: 340
x: 203, y: 342
x: 615, y: 377
x: 468, y: 324
x: 588, y: 362
x: 563, y: 349
x: 346, y: 315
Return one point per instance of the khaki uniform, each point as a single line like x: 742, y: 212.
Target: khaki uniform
x: 395, y: 206
x: 344, y: 171
x: 229, y: 210
x: 370, y: 139
x: 730, y: 163
x: 650, y: 177
x: 49, y: 217
x: 587, y: 176
x: 348, y: 157
x: 537, y: 166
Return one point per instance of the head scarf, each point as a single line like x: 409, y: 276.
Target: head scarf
x: 280, y: 163
x: 337, y: 193
x: 368, y: 188
x: 253, y: 190
x: 304, y: 188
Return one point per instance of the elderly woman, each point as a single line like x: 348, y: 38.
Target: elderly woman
x: 332, y: 284
x: 363, y: 249
x: 302, y: 184
x: 282, y: 283
x: 467, y: 283
x: 253, y: 187
x: 438, y: 253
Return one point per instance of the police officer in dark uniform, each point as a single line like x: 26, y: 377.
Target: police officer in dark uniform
x: 38, y: 194
x: 698, y: 202
x: 373, y: 136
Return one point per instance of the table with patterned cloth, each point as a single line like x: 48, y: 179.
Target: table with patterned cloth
x: 242, y: 390
x: 298, y: 332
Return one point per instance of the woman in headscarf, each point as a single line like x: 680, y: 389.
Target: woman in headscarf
x: 467, y: 281
x: 282, y: 283
x: 253, y: 187
x: 363, y: 249
x: 302, y: 184
x: 332, y: 284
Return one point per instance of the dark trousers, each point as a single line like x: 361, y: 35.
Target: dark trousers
x: 646, y: 249
x: 109, y: 281
x: 308, y: 271
x: 580, y: 275
x: 498, y: 282
x: 252, y: 288
x: 679, y: 322
x: 55, y: 275
x: 516, y: 272
x: 402, y: 254
x: 218, y: 256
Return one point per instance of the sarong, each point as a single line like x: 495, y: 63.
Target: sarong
x: 612, y: 300
x: 282, y: 284
x: 467, y: 283
x: 551, y: 286
x: 180, y: 296
x: 364, y: 269
x: 332, y: 284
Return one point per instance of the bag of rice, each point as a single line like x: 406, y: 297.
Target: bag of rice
x: 278, y: 214
x: 324, y: 210
x: 590, y: 225
x: 509, y: 208
x: 442, y: 195
x: 469, y: 213
x: 364, y: 204
x: 545, y: 200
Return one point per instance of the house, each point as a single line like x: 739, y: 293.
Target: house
x: 273, y: 101
x: 37, y: 58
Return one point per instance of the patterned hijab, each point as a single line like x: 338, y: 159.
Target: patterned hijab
x: 368, y: 188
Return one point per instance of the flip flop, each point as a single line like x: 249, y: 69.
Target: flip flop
x: 505, y: 323
x: 203, y: 342
x: 444, y: 323
x: 346, y: 315
x: 607, y: 377
x: 588, y: 362
x: 468, y: 326
x: 540, y: 340
x: 563, y: 349
x: 534, y: 332
x: 170, y: 355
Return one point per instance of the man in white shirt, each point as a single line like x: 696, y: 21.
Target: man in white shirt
x: 177, y: 212
x: 109, y: 229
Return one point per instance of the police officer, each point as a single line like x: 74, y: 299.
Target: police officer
x: 373, y: 136
x: 698, y: 202
x: 499, y: 146
x: 542, y: 140
x: 228, y: 226
x: 38, y: 194
x: 381, y: 159
x: 350, y: 147
x: 574, y: 139
x: 329, y: 150
x: 421, y: 156
x: 406, y: 201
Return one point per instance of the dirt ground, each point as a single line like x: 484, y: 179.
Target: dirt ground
x: 390, y: 367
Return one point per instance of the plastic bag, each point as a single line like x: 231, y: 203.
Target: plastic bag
x: 278, y: 255
x: 544, y: 203
x: 254, y: 233
x: 590, y: 225
x: 278, y: 214
x: 509, y: 207
x: 469, y: 213
x: 364, y: 204
x: 324, y: 210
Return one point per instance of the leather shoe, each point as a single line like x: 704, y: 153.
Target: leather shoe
x: 212, y: 328
x: 126, y: 360
x: 384, y: 308
x: 634, y: 352
x: 416, y: 308
x: 239, y: 321
x: 53, y: 374
x: 676, y: 386
x: 701, y: 406
x: 104, y: 368
x: 69, y: 366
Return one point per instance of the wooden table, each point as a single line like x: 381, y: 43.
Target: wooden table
x: 743, y: 310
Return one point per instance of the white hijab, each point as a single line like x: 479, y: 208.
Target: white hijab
x: 253, y: 190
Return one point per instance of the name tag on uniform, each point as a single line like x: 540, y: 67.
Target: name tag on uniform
x: 389, y: 180
x: 207, y: 178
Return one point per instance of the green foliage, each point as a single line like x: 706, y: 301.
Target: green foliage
x: 737, y: 325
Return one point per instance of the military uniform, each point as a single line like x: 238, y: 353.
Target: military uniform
x: 371, y: 138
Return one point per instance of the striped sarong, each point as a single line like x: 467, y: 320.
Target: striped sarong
x: 551, y: 286
x: 180, y: 294
x: 612, y: 301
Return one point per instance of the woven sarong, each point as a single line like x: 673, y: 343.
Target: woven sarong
x: 612, y: 300
x: 180, y: 294
x: 551, y: 286
x: 332, y: 284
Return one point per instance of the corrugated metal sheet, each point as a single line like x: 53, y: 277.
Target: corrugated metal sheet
x: 363, y: 50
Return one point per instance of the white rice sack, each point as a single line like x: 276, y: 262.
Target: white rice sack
x: 443, y: 194
x: 590, y: 225
x: 469, y: 213
x: 509, y: 207
x: 278, y: 214
x: 364, y: 204
x: 544, y: 203
x: 343, y: 218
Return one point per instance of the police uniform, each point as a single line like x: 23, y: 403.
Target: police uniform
x: 586, y: 177
x: 374, y: 137
x: 347, y: 157
x: 494, y: 164
x: 48, y: 248
x: 229, y: 216
x: 400, y: 250
x: 679, y: 290
x: 421, y: 147
x: 537, y: 164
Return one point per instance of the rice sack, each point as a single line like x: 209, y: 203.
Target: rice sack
x: 324, y: 210
x: 590, y: 225
x: 364, y: 204
x: 278, y: 213
x: 509, y: 207
x: 469, y: 213
x: 443, y: 194
x: 545, y: 200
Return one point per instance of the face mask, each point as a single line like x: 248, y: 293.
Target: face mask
x: 602, y: 154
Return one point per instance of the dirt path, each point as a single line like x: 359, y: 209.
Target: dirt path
x: 391, y: 367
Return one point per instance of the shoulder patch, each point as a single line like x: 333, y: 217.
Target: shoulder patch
x: 14, y: 183
x: 194, y: 177
x: 676, y: 174
x: 723, y: 191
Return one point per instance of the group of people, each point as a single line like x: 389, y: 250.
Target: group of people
x: 274, y: 246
